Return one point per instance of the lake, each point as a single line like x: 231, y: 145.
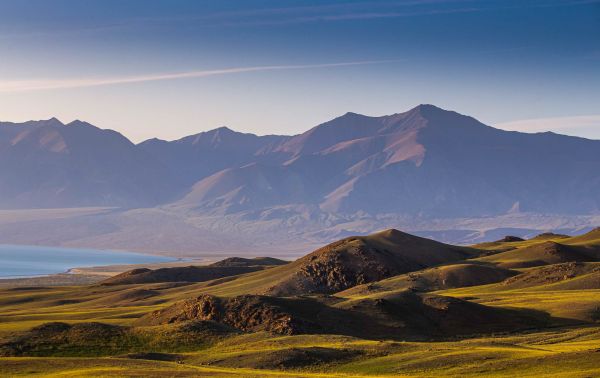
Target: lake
x: 28, y: 261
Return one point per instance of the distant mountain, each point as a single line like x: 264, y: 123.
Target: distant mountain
x: 426, y: 162
x: 197, y: 156
x: 49, y: 164
x: 431, y: 171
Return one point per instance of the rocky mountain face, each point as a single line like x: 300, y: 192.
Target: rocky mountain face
x: 352, y: 174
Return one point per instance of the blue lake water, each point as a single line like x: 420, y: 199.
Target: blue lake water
x: 27, y: 261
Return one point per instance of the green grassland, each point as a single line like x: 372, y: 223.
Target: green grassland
x: 568, y: 352
x: 546, y: 280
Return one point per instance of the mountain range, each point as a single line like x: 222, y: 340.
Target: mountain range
x: 418, y: 166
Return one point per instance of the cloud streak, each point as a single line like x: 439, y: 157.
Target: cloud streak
x: 12, y: 86
x: 361, y: 11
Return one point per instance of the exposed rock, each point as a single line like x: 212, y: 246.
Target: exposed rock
x: 400, y: 315
x: 363, y: 259
x: 246, y: 313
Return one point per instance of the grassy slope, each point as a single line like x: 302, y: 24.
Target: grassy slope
x: 574, y: 298
x: 564, y: 352
x: 568, y: 352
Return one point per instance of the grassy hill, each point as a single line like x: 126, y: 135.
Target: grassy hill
x: 388, y: 304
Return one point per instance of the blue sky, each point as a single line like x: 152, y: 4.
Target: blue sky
x: 172, y: 68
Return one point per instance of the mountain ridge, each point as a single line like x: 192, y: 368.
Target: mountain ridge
x: 354, y: 173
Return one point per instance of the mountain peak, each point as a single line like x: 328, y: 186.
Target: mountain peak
x: 52, y: 122
x: 391, y: 232
x: 78, y: 122
x: 223, y: 130
x: 352, y: 116
x: 427, y: 109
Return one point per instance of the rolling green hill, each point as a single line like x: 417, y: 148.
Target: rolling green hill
x: 387, y: 304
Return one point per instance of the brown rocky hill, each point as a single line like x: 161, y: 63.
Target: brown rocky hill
x: 356, y: 260
x: 401, y: 315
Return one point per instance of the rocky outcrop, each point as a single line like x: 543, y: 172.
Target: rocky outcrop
x: 245, y: 313
x: 363, y: 259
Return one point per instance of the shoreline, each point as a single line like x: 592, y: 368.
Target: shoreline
x: 27, y: 262
x: 77, y: 276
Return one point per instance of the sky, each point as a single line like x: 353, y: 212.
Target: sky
x: 167, y: 69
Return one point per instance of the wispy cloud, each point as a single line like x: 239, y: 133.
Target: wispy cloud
x: 349, y: 11
x: 49, y: 84
x: 250, y: 17
x: 587, y: 126
x: 286, y: 15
